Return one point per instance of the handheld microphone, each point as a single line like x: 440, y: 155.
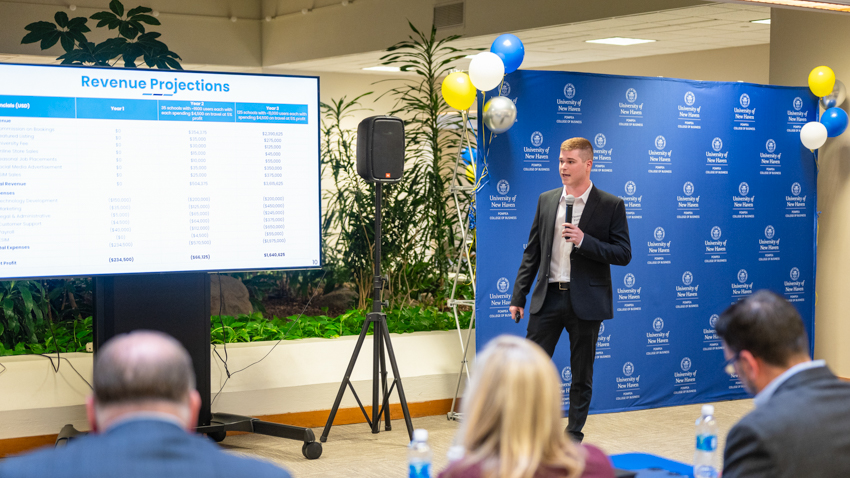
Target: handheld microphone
x: 570, y: 200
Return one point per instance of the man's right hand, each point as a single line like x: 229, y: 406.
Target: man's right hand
x: 514, y: 311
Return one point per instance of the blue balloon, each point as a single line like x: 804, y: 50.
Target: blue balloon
x: 835, y: 120
x: 510, y: 50
x: 468, y: 155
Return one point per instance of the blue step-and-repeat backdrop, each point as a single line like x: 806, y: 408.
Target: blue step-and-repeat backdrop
x: 720, y: 196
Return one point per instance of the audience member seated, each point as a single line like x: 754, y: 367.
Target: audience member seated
x: 801, y: 423
x: 142, y: 414
x: 511, y: 423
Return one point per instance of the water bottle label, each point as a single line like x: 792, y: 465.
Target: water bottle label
x: 706, y: 442
x: 420, y: 470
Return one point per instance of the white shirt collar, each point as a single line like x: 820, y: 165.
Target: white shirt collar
x: 762, y: 397
x: 583, y: 197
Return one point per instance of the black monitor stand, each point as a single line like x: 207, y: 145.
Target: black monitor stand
x: 179, y: 305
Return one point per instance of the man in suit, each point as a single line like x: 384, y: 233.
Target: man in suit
x: 142, y: 414
x: 801, y: 423
x: 572, y: 263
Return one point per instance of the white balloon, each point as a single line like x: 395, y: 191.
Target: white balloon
x: 813, y: 135
x: 486, y: 70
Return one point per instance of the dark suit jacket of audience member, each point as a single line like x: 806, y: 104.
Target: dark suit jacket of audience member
x: 138, y: 448
x: 802, y: 431
x: 597, y: 465
x: 606, y: 241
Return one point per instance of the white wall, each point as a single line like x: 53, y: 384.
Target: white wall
x: 747, y: 63
x: 298, y: 376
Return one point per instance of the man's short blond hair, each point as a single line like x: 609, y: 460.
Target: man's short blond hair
x: 581, y: 144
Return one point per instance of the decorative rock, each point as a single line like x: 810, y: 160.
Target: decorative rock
x: 236, y: 298
x: 340, y: 299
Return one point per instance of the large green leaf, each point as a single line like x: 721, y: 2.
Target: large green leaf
x: 26, y: 295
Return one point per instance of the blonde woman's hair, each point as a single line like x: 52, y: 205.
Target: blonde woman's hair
x: 512, y: 413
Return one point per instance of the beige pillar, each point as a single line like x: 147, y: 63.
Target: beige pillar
x: 800, y: 41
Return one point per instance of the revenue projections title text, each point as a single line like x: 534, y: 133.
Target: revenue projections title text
x: 171, y: 86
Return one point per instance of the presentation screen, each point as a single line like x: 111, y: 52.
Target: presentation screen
x: 113, y: 171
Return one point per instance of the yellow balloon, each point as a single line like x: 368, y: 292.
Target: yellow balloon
x: 822, y: 80
x: 459, y: 92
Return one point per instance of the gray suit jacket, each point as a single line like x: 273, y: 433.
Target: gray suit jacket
x: 139, y: 448
x: 606, y: 242
x: 802, y: 431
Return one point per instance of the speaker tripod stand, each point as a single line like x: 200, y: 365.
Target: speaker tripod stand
x: 380, y: 339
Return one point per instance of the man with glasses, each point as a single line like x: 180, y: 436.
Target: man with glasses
x: 801, y: 424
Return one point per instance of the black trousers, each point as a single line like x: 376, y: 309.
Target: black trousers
x: 544, y: 329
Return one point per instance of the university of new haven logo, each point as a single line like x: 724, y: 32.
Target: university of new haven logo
x: 536, y: 138
x: 628, y: 369
x: 506, y: 89
x: 503, y: 284
x: 742, y: 276
x: 599, y: 140
x: 687, y: 278
x: 685, y: 364
x: 717, y: 144
x: 660, y: 142
x: 744, y: 189
x: 798, y: 103
x: 658, y: 324
x: 715, y: 232
x: 631, y: 188
x: 503, y: 187
x: 688, y: 188
x: 631, y: 95
x: 567, y: 375
x: 769, y: 231
x: 658, y: 234
x: 629, y: 280
x: 569, y: 91
x: 602, y: 327
x: 770, y: 145
x: 690, y: 98
x: 745, y: 100
x: 712, y: 321
x: 795, y: 273
x: 796, y: 189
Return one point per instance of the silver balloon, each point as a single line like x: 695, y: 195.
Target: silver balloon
x: 839, y: 93
x: 499, y: 114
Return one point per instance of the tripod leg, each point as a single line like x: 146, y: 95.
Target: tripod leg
x: 345, y: 381
x: 394, y: 365
x: 387, y: 424
x: 376, y: 362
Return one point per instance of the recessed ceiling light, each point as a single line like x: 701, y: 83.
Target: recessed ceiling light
x: 766, y: 21
x: 619, y: 41
x: 837, y: 7
x: 383, y: 68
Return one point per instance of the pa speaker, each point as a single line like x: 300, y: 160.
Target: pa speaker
x: 380, y: 149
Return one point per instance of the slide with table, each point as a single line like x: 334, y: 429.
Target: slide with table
x: 133, y: 171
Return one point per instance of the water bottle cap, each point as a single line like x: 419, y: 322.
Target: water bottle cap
x: 708, y: 410
x: 420, y: 434
x: 455, y: 453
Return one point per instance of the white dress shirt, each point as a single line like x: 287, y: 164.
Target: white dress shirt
x: 559, y: 264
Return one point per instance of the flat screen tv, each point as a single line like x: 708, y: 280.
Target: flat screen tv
x: 116, y: 171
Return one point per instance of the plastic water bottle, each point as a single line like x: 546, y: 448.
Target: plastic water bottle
x: 455, y: 453
x: 705, y: 455
x: 419, y: 455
